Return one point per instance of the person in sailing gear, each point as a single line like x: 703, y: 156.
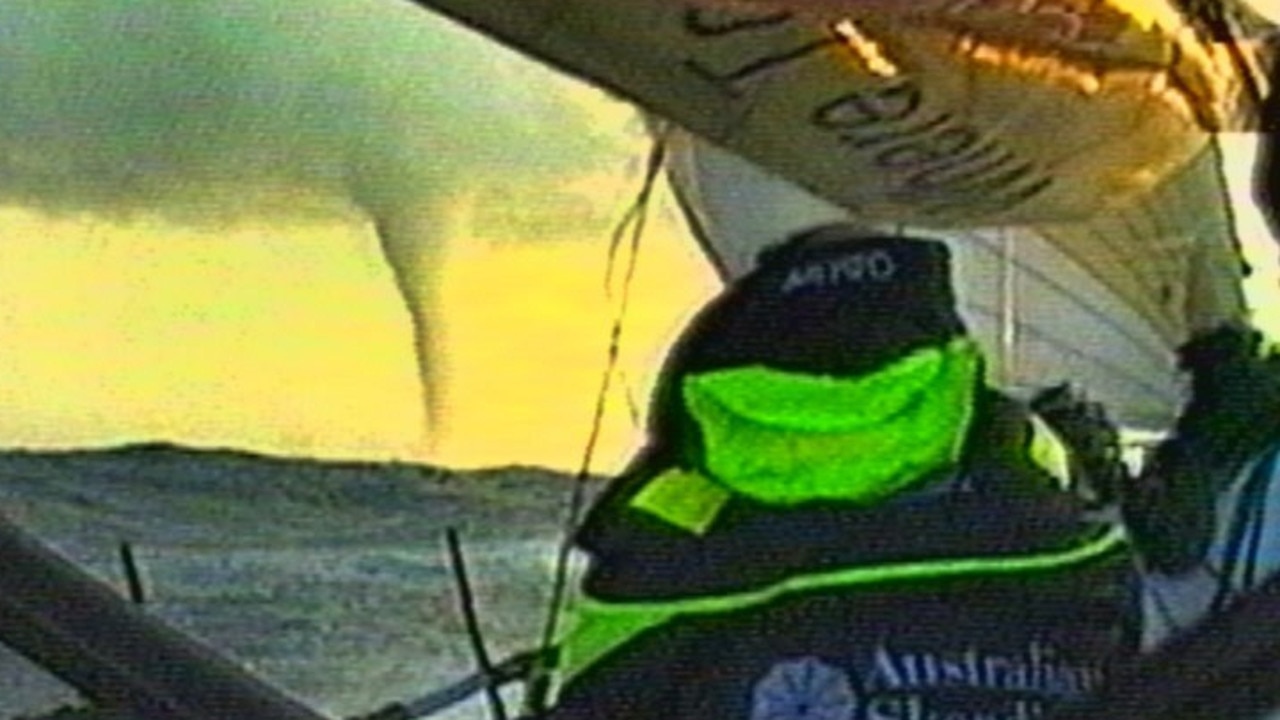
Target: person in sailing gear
x: 1206, y: 514
x: 1208, y: 524
x: 836, y: 518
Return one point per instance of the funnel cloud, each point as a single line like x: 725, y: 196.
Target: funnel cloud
x: 212, y: 112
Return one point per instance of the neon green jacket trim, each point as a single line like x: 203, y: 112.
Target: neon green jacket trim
x: 597, y: 628
x: 684, y: 499
x: 787, y: 438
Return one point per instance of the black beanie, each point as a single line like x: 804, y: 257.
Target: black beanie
x: 828, y: 302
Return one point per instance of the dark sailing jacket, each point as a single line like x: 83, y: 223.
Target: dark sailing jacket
x: 984, y: 594
x: 775, y: 556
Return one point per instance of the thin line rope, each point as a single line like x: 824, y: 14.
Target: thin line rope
x: 630, y: 228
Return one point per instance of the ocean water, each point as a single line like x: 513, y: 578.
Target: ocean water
x: 330, y: 581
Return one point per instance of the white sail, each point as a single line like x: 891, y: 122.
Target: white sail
x: 893, y: 120
x: 985, y: 146
x: 1102, y: 304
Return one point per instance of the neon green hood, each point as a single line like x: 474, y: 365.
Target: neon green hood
x: 787, y: 438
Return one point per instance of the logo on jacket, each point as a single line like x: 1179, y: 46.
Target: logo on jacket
x: 938, y: 682
x: 804, y: 689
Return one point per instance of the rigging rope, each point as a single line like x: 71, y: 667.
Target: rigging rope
x: 630, y: 228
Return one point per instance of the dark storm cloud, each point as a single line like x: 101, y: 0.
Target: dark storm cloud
x: 206, y: 110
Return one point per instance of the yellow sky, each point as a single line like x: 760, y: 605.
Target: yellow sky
x: 291, y: 339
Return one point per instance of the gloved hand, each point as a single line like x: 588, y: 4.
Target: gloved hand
x: 1233, y: 414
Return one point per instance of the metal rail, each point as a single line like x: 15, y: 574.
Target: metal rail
x: 117, y: 656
